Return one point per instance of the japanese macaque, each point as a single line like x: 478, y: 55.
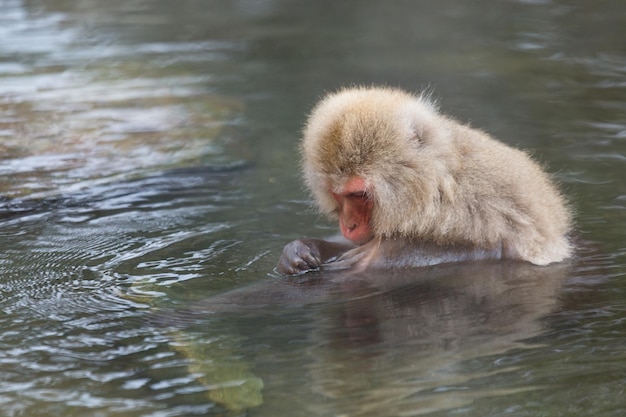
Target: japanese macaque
x: 410, y: 187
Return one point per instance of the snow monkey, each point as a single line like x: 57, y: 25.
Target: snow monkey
x: 411, y: 187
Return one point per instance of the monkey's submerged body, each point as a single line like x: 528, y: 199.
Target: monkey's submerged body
x: 411, y: 187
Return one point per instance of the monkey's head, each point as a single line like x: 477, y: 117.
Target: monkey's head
x: 375, y: 159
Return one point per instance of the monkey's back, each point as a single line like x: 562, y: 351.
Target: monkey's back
x: 512, y: 198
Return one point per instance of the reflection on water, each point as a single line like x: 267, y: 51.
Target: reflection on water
x: 382, y: 343
x: 147, y: 186
x: 77, y: 109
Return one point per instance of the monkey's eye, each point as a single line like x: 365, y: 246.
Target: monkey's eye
x: 358, y: 194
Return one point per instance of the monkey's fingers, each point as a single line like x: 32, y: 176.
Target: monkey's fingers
x: 294, y: 265
x: 310, y: 260
x: 308, y: 256
x: 298, y: 258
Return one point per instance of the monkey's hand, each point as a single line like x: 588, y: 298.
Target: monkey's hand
x: 299, y: 256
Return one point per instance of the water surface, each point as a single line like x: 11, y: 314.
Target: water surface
x: 148, y: 181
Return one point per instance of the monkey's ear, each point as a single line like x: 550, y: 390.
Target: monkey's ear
x: 416, y: 136
x: 419, y: 116
x: 424, y: 123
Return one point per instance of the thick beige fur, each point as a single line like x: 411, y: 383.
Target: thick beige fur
x: 432, y: 179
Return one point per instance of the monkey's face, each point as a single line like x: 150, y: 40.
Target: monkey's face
x: 354, y: 209
x: 366, y: 161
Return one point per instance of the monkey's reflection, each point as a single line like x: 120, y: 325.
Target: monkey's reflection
x: 399, y: 336
x: 388, y: 338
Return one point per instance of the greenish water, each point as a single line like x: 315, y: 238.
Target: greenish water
x: 148, y: 181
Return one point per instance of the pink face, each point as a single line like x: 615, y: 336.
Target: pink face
x: 355, y: 209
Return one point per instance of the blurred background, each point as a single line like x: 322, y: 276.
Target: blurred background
x: 149, y: 180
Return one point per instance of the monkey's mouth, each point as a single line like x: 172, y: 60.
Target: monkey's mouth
x: 358, y: 233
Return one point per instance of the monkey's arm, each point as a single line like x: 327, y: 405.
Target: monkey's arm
x: 302, y: 255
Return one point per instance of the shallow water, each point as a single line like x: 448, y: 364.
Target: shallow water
x: 148, y: 183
